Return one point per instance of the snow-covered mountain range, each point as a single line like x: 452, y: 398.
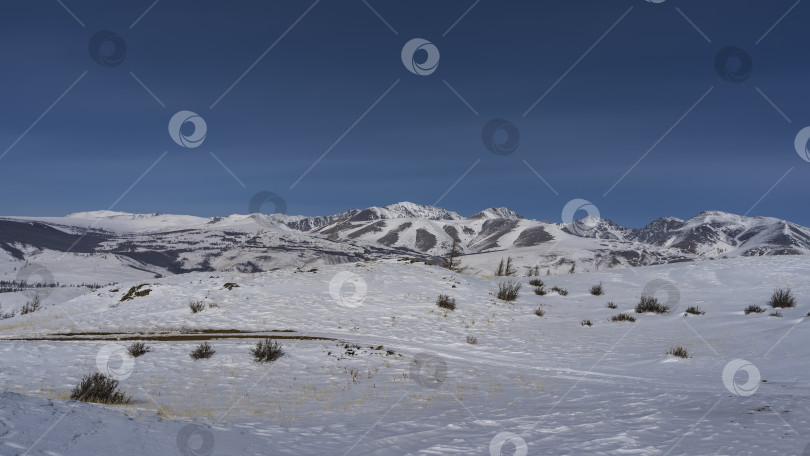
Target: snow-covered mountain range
x: 89, y: 246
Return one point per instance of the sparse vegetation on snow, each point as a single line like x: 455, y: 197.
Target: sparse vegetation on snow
x: 267, y: 350
x: 508, y: 291
x: 446, y: 302
x: 99, y: 388
x: 650, y: 304
x: 783, y: 298
x: 202, y: 351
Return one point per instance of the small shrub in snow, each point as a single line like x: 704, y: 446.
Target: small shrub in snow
x: 753, y: 309
x: 597, y: 290
x: 536, y: 283
x: 266, y: 351
x: 196, y: 306
x: 775, y: 313
x: 472, y: 340
x: 678, y: 351
x: 650, y: 304
x: 508, y: 291
x: 623, y: 317
x: 783, y: 298
x: 446, y: 302
x: 540, y: 291
x: 560, y: 291
x: 539, y: 312
x: 611, y: 305
x: 99, y: 388
x: 586, y: 323
x: 694, y: 310
x: 137, y: 349
x: 203, y: 351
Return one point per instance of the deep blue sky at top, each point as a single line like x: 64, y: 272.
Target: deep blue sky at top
x: 420, y: 138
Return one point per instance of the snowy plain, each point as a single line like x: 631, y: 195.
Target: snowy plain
x: 376, y: 368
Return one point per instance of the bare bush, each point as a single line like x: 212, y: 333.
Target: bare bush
x: 694, y: 310
x: 196, y: 306
x: 540, y: 291
x: 446, y: 302
x: 508, y: 291
x: 99, y: 388
x: 266, y: 351
x: 623, y: 317
x: 559, y: 291
x: 203, y: 351
x: 678, y: 351
x: 753, y: 309
x: 138, y: 348
x: 783, y: 298
x: 539, y: 312
x: 650, y: 304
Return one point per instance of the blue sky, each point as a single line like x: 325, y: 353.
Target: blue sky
x: 617, y: 76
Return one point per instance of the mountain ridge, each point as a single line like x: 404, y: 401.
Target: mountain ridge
x: 158, y: 244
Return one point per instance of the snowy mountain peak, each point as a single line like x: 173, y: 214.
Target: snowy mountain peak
x: 496, y: 213
x: 405, y: 210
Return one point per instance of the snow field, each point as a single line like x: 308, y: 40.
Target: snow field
x: 548, y: 382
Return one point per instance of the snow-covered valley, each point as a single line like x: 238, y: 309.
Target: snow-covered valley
x: 373, y: 366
